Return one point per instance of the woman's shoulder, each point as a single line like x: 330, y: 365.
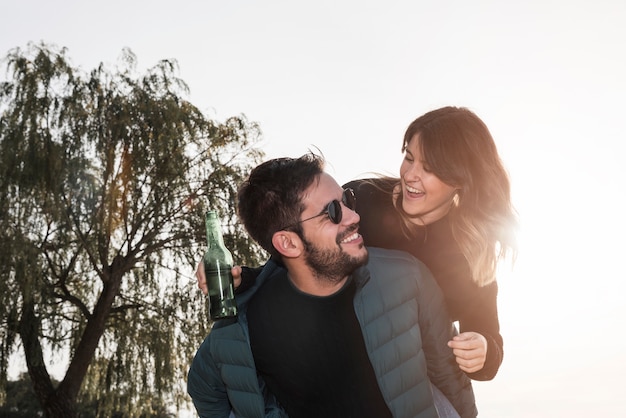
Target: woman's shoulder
x: 372, y: 187
x: 373, y: 182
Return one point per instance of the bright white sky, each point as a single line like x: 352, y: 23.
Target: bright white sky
x: 547, y: 76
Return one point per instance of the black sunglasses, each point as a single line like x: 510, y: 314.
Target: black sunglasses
x: 333, y: 209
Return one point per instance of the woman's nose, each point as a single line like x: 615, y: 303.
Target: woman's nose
x: 413, y: 174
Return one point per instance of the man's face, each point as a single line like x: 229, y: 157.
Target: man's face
x: 333, y: 251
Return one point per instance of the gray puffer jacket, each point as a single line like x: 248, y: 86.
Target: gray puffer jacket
x: 405, y: 326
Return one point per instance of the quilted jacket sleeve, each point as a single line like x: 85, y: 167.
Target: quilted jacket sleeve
x: 205, y: 386
x: 222, y: 380
x: 437, y: 329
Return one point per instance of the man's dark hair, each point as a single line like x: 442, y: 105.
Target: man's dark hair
x: 271, y: 197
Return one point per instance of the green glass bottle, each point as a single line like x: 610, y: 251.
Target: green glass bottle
x: 218, y: 262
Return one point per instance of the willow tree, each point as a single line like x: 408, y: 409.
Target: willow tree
x: 104, y: 178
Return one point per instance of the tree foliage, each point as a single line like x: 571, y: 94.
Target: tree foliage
x: 104, y: 178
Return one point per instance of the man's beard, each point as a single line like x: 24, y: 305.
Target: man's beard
x: 332, y: 265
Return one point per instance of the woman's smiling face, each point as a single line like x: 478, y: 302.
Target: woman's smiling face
x: 424, y: 196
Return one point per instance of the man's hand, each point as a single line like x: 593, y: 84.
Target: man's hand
x: 470, y: 349
x: 236, y: 271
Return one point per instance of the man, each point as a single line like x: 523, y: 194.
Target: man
x: 329, y: 329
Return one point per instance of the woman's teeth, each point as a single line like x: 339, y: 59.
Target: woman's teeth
x: 413, y: 190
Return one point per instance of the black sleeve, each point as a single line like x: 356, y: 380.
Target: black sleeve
x: 482, y: 317
x: 474, y: 307
x: 248, y: 276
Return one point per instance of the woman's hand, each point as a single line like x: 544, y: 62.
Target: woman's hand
x: 470, y: 349
x: 236, y: 272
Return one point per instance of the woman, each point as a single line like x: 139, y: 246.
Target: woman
x: 450, y: 208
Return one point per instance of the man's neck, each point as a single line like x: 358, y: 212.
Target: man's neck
x: 307, y: 282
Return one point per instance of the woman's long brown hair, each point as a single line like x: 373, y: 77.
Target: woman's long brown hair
x: 458, y: 148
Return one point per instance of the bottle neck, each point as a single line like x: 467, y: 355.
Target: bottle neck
x: 213, y: 230
x: 214, y: 234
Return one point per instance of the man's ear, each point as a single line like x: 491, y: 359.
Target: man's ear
x: 288, y: 243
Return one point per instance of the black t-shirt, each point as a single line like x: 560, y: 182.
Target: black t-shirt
x: 311, y: 353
